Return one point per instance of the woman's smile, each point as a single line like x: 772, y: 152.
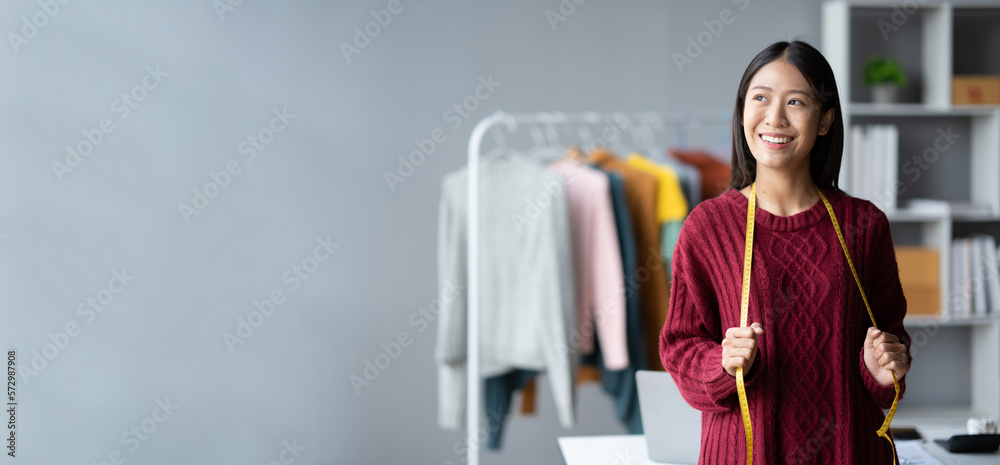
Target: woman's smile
x: 776, y: 141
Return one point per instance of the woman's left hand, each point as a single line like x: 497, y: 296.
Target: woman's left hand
x: 885, y: 355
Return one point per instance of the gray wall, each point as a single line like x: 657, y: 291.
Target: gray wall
x: 161, y: 337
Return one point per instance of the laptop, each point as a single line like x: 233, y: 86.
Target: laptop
x: 672, y: 427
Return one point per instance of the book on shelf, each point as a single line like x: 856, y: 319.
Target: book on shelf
x: 975, y: 277
x: 954, y: 298
x: 992, y: 271
x: 874, y: 163
x: 978, y: 277
x: 961, y: 278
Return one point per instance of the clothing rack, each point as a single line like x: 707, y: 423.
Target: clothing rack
x: 647, y: 121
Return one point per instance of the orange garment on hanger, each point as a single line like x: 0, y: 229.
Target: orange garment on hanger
x: 714, y: 173
x: 649, y: 278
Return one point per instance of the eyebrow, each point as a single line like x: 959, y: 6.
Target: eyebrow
x: 793, y: 91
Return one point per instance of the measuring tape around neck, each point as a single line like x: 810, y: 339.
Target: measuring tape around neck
x: 744, y: 306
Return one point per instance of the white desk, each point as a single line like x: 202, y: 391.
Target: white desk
x: 606, y: 450
x: 631, y: 449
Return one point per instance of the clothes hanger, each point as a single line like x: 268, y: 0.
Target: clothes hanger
x: 637, y: 147
x: 575, y: 152
x: 617, y: 146
x: 579, y: 152
x: 543, y: 149
x: 658, y: 153
x: 681, y: 131
x: 653, y: 124
x: 500, y: 148
x: 552, y: 133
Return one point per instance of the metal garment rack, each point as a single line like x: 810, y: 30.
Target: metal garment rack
x: 655, y: 121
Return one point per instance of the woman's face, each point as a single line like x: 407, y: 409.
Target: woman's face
x: 782, y: 117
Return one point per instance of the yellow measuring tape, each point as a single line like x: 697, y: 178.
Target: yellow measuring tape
x: 741, y: 390
x: 744, y: 306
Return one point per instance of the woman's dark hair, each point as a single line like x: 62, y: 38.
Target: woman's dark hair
x: 827, y: 152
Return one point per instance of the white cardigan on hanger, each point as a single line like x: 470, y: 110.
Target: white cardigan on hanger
x: 526, y: 273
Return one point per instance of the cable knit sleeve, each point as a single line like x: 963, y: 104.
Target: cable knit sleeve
x: 887, y: 302
x: 691, y: 340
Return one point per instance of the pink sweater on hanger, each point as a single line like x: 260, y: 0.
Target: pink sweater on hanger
x: 811, y: 397
x: 597, y: 264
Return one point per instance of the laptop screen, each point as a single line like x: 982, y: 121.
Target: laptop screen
x: 672, y: 427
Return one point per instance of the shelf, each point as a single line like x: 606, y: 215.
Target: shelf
x: 925, y: 320
x: 918, y: 109
x: 975, y: 218
x: 907, y: 216
x: 940, y: 416
x: 938, y: 41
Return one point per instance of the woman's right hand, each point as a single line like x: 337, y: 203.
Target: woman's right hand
x: 739, y: 348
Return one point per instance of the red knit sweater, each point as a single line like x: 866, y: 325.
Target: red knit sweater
x: 811, y: 398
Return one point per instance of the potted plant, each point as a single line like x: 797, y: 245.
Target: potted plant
x: 885, y: 76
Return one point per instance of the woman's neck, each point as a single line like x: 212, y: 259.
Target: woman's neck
x: 784, y: 195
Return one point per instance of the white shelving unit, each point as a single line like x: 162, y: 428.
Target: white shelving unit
x: 925, y: 40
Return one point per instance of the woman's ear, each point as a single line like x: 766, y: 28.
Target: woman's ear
x: 825, y: 122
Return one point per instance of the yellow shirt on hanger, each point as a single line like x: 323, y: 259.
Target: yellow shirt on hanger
x: 671, y: 205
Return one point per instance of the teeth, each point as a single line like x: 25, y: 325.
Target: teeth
x: 776, y: 140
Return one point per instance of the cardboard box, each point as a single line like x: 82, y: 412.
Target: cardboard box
x: 918, y: 265
x: 919, y: 273
x: 975, y: 89
x: 922, y: 300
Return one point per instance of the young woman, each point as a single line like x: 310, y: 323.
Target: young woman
x: 817, y: 373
